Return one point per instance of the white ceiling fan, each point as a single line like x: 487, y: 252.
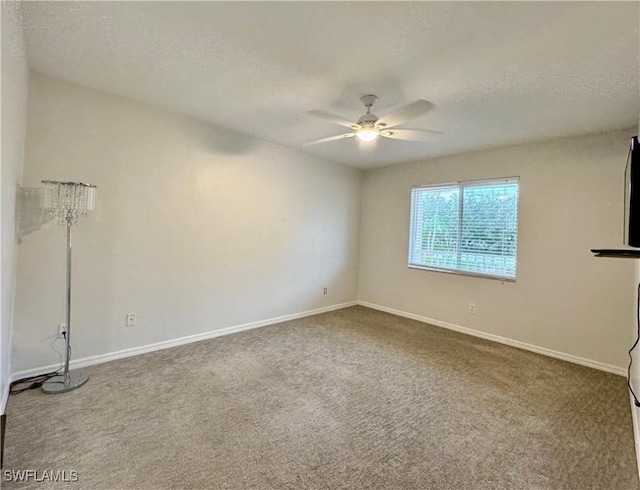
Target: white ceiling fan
x: 369, y: 127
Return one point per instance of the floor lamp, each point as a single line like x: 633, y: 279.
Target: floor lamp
x: 67, y: 202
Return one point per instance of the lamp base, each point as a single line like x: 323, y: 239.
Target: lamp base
x: 58, y: 384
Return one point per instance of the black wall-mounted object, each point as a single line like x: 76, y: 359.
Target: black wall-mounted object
x: 3, y: 424
x: 618, y: 253
x: 631, y: 208
x: 632, y: 196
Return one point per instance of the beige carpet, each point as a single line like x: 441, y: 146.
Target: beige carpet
x: 352, y: 399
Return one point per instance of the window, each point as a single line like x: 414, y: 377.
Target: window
x: 466, y: 227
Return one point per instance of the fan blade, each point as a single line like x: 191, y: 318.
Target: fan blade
x: 410, y: 134
x: 330, y: 138
x: 327, y: 116
x: 406, y: 113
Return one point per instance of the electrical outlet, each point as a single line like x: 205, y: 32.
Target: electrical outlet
x: 325, y: 291
x: 472, y: 308
x: 131, y: 319
x: 62, y: 330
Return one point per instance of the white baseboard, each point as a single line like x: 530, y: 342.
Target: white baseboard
x: 5, y: 398
x: 134, y: 351
x: 502, y: 340
x: 111, y: 356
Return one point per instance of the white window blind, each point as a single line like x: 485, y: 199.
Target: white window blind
x: 467, y: 227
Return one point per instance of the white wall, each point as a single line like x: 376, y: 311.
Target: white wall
x: 14, y: 115
x: 197, y: 228
x: 571, y: 200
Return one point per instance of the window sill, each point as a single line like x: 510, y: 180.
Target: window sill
x: 462, y: 273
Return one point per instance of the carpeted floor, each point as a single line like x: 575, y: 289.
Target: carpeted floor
x: 354, y: 399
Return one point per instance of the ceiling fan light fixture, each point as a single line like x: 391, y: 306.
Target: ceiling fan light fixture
x: 367, y: 134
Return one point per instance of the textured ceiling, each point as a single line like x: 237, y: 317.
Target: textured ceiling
x: 496, y: 73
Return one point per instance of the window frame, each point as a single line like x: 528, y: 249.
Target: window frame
x: 460, y: 184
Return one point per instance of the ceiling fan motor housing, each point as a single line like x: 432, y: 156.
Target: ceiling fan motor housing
x: 368, y: 121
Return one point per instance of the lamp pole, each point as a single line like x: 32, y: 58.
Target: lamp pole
x: 67, y: 337
x: 68, y: 201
